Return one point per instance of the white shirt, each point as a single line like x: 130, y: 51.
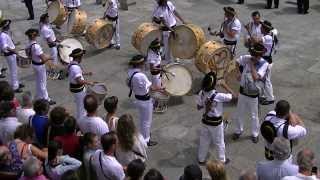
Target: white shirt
x: 275, y: 170
x: 71, y: 3
x: 267, y: 41
x: 234, y: 25
x: 109, y: 167
x: 47, y: 33
x: 140, y: 83
x: 255, y: 30
x: 7, y: 128
x: 300, y: 177
x: 23, y: 114
x: 6, y: 42
x: 245, y: 60
x: 154, y: 58
x: 217, y: 105
x: 167, y: 13
x: 67, y: 163
x: 36, y: 51
x: 112, y: 9
x: 94, y: 125
x: 75, y: 72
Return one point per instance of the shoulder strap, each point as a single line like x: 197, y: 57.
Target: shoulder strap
x: 138, y: 153
x: 100, y: 161
x: 71, y: 64
x: 213, y: 96
x: 130, y: 82
x: 30, y: 120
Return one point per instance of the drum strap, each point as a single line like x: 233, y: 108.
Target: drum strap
x: 130, y: 82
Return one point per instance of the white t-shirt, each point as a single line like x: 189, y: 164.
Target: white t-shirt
x: 23, y: 114
x: 107, y: 167
x: 47, y: 33
x: 75, y: 72
x: 300, y: 177
x: 154, y: 58
x: 267, y: 41
x: 234, y: 25
x: 94, y: 125
x: 140, y: 83
x: 6, y: 42
x: 217, y: 105
x: 71, y: 3
x: 255, y: 30
x: 36, y: 51
x: 7, y: 128
x: 167, y: 13
x: 112, y: 9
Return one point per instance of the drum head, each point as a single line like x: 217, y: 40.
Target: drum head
x: 67, y: 46
x: 146, y: 41
x: 22, y: 53
x: 177, y: 80
x: 53, y: 11
x: 99, y: 88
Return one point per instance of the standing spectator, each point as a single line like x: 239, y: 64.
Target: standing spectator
x: 32, y: 169
x: 30, y: 9
x: 90, y: 144
x: 135, y: 170
x: 111, y: 105
x: 303, y: 6
x: 131, y: 144
x: 248, y: 175
x: 269, y: 4
x: 153, y: 174
x: 192, y: 172
x: 57, y: 117
x: 216, y: 170
x: 8, y: 168
x: 7, y: 94
x: 281, y: 166
x: 40, y: 120
x: 25, y: 111
x: 8, y: 121
x: 104, y: 163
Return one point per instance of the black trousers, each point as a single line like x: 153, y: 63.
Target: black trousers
x: 269, y: 3
x: 303, y: 6
x: 30, y: 8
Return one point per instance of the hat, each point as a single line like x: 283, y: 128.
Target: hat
x: 257, y: 49
x: 191, y: 172
x: 209, y: 81
x: 155, y: 43
x: 77, y: 53
x: 5, y: 23
x: 229, y: 10
x: 267, y: 25
x: 137, y: 59
x: 32, y: 32
x: 43, y: 17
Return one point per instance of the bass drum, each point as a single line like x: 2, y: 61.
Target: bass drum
x: 230, y: 78
x: 99, y: 33
x: 23, y: 61
x: 187, y: 42
x: 65, y: 49
x: 56, y: 12
x: 77, y: 21
x: 144, y: 35
x: 176, y: 79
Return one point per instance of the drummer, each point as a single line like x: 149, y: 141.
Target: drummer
x: 253, y: 29
x: 8, y: 49
x: 140, y: 85
x: 165, y: 13
x: 112, y: 14
x: 70, y: 5
x: 154, y: 60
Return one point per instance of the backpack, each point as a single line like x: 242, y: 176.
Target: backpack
x: 252, y: 87
x: 269, y: 131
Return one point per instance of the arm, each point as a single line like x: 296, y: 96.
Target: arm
x: 44, y: 58
x: 83, y: 82
x: 39, y: 153
x: 177, y: 14
x: 69, y: 164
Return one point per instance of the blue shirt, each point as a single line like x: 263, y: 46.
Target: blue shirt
x: 39, y: 123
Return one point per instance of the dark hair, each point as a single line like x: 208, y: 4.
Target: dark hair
x: 53, y: 148
x: 23, y: 132
x: 41, y: 106
x: 6, y: 108
x: 135, y: 169
x: 134, y: 59
x: 282, y: 108
x: 3, y: 85
x: 87, y: 138
x: 153, y: 174
x: 192, y: 172
x: 58, y: 115
x: 162, y: 2
x: 209, y: 81
x: 255, y: 13
x: 90, y: 103
x: 108, y: 140
x: 7, y: 94
x: 110, y: 104
x: 69, y: 125
x: 126, y: 131
x: 70, y: 175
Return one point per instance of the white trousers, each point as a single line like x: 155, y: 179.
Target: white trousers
x: 166, y: 46
x: 41, y: 82
x: 145, y: 109
x: 12, y: 64
x: 78, y: 99
x: 268, y: 89
x: 116, y: 34
x: 54, y: 55
x: 156, y: 80
x: 208, y: 135
x: 244, y: 105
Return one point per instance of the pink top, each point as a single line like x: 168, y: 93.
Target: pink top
x: 41, y: 177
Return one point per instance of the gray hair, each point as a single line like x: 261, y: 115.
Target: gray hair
x: 281, y: 148
x: 31, y: 167
x: 248, y: 175
x: 26, y: 99
x: 305, y: 160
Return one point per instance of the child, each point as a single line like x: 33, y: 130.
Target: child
x: 40, y: 120
x: 110, y: 105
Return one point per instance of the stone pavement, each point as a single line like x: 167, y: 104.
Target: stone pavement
x: 295, y: 76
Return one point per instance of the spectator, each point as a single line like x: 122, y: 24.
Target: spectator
x: 91, y: 122
x: 104, y: 163
x: 131, y: 144
x: 57, y: 117
x: 90, y: 143
x: 70, y: 141
x: 153, y: 174
x: 281, y: 166
x: 135, y: 170
x: 25, y: 111
x: 248, y: 175
x: 3, y: 85
x: 8, y: 121
x: 7, y: 94
x: 216, y: 170
x: 40, y: 120
x: 306, y: 162
x: 70, y: 175
x: 8, y: 168
x: 192, y: 172
x: 111, y: 105
x: 32, y: 169
x: 57, y: 164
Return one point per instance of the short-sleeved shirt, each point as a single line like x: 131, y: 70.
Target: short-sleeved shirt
x: 167, y: 13
x: 154, y: 58
x: 40, y: 125
x: 94, y: 125
x: 112, y: 9
x: 217, y: 105
x: 36, y: 51
x: 140, y: 83
x: 70, y: 144
x: 6, y: 42
x: 23, y: 114
x: 7, y: 128
x: 47, y: 33
x: 244, y: 61
x: 75, y: 72
x: 275, y: 169
x: 71, y: 3
x: 234, y: 25
x: 267, y: 41
x: 255, y: 30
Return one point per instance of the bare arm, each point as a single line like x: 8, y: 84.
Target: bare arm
x: 83, y: 82
x: 177, y: 14
x: 39, y: 153
x: 44, y: 58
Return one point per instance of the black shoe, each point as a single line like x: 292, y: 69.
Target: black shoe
x: 152, y: 143
x: 276, y: 7
x: 266, y: 102
x: 255, y: 139
x: 30, y: 18
x: 110, y: 46
x: 51, y: 102
x: 227, y: 161
x: 2, y: 76
x: 19, y: 90
x: 202, y: 163
x: 21, y: 86
x: 267, y: 7
x: 3, y: 70
x: 236, y: 136
x: 240, y: 2
x: 306, y: 12
x: 117, y: 47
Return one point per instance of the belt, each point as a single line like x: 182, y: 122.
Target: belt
x: 112, y: 18
x: 268, y: 59
x: 37, y: 63
x: 145, y: 97
x: 212, y: 121
x: 8, y: 54
x: 252, y: 96
x: 52, y: 44
x: 155, y: 72
x: 76, y: 88
x: 226, y: 42
x: 165, y: 28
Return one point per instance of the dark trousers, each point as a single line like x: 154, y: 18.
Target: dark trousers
x: 303, y: 6
x: 269, y: 3
x: 30, y: 8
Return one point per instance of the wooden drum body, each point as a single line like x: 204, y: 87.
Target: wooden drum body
x: 99, y: 33
x: 23, y: 61
x: 144, y: 35
x: 66, y: 47
x: 57, y: 13
x: 77, y: 21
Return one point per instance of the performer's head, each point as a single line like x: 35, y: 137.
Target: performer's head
x: 155, y: 45
x: 266, y: 27
x: 5, y: 25
x: 282, y: 109
x: 256, y: 17
x: 32, y: 33
x: 44, y: 18
x: 256, y: 51
x: 229, y: 13
x: 162, y: 2
x: 77, y: 54
x: 209, y: 81
x: 137, y: 61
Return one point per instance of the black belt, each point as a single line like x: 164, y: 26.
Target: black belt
x: 165, y: 28
x: 112, y: 18
x: 76, y: 88
x: 52, y: 44
x: 155, y: 72
x: 145, y: 97
x: 8, y: 53
x: 268, y: 59
x: 252, y: 96
x: 230, y: 43
x: 212, y: 121
x: 37, y: 63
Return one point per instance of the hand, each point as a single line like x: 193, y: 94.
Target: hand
x: 89, y: 73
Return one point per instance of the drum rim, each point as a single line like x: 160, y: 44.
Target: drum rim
x: 104, y: 85
x: 60, y: 50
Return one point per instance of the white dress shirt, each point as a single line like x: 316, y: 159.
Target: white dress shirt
x: 75, y: 72
x: 167, y: 13
x: 47, y: 33
x: 140, y: 83
x: 255, y: 30
x: 154, y: 58
x: 94, y: 125
x: 6, y: 42
x: 36, y: 51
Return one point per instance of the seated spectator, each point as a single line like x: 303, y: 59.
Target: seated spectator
x: 281, y: 166
x: 216, y: 170
x: 7, y: 94
x: 104, y: 163
x: 90, y: 144
x: 153, y: 174
x: 248, y: 175
x: 57, y: 164
x: 192, y: 172
x: 57, y: 117
x: 70, y: 175
x: 26, y: 109
x: 70, y: 141
x: 91, y: 122
x: 135, y: 170
x: 32, y: 169
x: 8, y: 168
x: 111, y: 105
x: 131, y: 144
x: 8, y: 121
x: 306, y: 161
x: 40, y: 120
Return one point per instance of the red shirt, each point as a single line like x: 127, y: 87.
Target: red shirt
x: 70, y: 144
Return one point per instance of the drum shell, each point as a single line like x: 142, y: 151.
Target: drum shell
x: 144, y: 35
x: 188, y: 41
x: 99, y: 33
x: 61, y: 16
x: 99, y: 94
x: 22, y: 60
x: 64, y: 52
x: 80, y: 20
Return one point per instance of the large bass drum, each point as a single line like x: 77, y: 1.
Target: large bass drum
x: 56, y: 12
x: 77, y: 21
x: 99, y: 33
x: 187, y: 42
x: 144, y: 35
x: 66, y: 47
